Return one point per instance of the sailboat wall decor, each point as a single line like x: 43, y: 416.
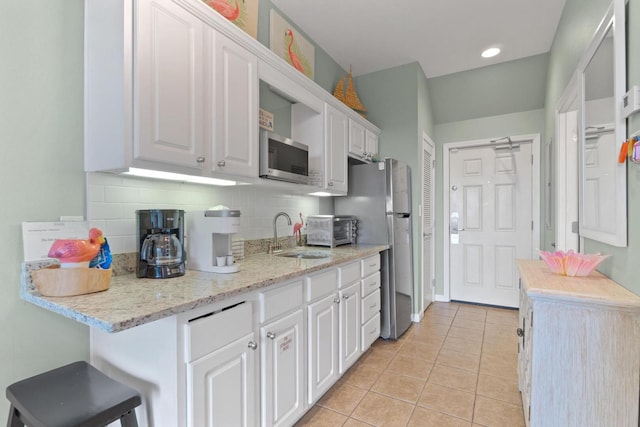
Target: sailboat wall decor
x: 349, y: 97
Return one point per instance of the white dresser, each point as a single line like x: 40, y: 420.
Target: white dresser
x: 579, y: 349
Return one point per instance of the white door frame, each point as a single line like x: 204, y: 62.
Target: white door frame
x: 566, y: 201
x: 428, y: 287
x: 535, y: 202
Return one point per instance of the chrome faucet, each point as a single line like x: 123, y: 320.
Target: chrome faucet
x: 275, y: 246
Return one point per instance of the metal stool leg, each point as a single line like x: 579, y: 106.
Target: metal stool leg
x: 14, y: 418
x: 128, y: 420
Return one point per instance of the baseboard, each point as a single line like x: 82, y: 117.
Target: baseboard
x: 442, y: 298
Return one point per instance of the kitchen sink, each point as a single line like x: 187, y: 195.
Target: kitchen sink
x: 305, y: 254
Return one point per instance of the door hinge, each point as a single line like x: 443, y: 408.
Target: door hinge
x: 531, y: 225
x: 532, y: 159
x: 529, y: 413
x: 575, y: 228
x: 531, y: 323
x: 433, y: 164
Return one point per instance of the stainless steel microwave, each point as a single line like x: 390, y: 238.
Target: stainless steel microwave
x: 283, y: 158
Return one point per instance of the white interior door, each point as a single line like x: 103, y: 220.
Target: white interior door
x: 427, y: 222
x: 490, y: 221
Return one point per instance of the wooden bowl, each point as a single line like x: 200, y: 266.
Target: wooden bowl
x: 64, y: 282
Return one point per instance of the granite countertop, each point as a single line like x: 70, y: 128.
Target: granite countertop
x: 131, y: 301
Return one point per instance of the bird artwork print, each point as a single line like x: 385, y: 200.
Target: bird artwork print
x: 294, y: 55
x: 297, y: 229
x: 230, y: 9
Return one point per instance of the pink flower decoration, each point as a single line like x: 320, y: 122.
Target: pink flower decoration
x: 570, y: 263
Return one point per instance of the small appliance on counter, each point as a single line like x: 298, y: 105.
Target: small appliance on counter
x: 160, y: 236
x: 331, y: 230
x: 209, y: 239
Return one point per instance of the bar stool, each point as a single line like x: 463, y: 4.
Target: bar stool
x: 74, y: 395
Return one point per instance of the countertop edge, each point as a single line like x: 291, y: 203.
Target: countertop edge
x: 63, y: 306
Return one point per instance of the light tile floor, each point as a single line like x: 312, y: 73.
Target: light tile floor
x: 455, y: 368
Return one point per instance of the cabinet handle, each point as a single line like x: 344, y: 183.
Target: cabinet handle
x: 345, y: 297
x: 221, y: 163
x: 271, y: 335
x: 336, y: 300
x: 520, y: 332
x: 252, y: 345
x: 200, y: 159
x: 330, y: 184
x: 373, y: 306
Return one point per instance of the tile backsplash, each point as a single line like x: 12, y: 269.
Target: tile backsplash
x: 113, y: 199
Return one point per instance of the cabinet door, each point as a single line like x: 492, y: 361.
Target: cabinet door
x: 525, y: 331
x: 235, y: 128
x: 356, y: 139
x: 168, y: 85
x: 282, y: 370
x: 322, y: 339
x: 371, y: 144
x: 349, y: 325
x: 336, y: 134
x: 222, y: 386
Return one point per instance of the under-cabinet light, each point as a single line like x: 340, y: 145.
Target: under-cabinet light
x: 321, y: 194
x: 170, y: 176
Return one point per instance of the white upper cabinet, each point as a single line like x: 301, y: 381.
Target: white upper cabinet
x: 371, y: 144
x: 172, y: 86
x: 356, y: 139
x: 168, y: 85
x: 144, y: 86
x: 235, y: 96
x: 336, y: 137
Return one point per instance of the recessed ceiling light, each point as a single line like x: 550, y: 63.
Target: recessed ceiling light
x: 491, y: 52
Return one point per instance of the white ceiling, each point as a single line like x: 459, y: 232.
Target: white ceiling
x: 444, y: 36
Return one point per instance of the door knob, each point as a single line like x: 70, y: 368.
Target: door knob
x: 252, y: 345
x: 221, y: 163
x: 520, y: 332
x: 200, y: 159
x: 271, y: 335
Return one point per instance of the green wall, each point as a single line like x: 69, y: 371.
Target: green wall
x: 41, y: 166
x: 397, y: 101
x: 489, y: 91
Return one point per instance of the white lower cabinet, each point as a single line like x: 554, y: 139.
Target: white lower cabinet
x: 282, y: 349
x: 262, y: 358
x: 370, y: 300
x: 221, y: 379
x: 322, y: 330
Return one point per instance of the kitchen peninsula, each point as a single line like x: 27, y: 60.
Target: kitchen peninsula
x: 256, y: 347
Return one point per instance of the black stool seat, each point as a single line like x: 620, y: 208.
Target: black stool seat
x: 73, y: 395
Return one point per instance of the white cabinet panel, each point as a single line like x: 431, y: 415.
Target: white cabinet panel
x: 336, y: 137
x: 283, y: 370
x: 350, y: 325
x: 221, y: 386
x: 322, y: 336
x: 235, y: 128
x: 168, y: 84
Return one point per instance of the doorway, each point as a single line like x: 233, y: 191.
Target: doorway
x: 491, y: 193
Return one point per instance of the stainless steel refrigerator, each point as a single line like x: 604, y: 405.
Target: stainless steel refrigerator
x: 380, y: 197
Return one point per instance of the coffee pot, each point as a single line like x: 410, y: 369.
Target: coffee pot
x: 160, y: 243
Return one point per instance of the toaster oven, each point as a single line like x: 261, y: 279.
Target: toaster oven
x: 331, y: 230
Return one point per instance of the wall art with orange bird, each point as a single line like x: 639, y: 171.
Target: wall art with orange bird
x: 243, y: 13
x: 287, y: 42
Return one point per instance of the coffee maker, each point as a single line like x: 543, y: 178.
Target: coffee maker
x: 160, y: 240
x: 209, y: 240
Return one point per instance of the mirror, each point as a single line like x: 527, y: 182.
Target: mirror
x: 603, y: 192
